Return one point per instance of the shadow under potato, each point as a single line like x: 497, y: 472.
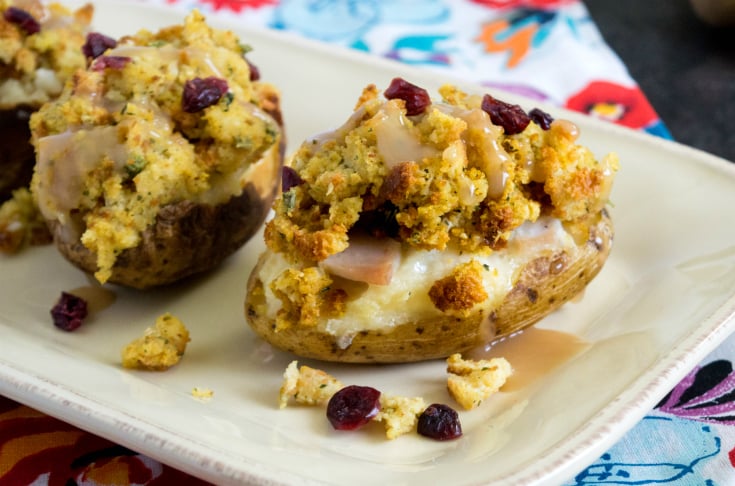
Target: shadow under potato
x: 16, y: 152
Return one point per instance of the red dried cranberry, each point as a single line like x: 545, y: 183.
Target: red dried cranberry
x: 22, y: 19
x: 110, y: 62
x: 352, y: 407
x: 97, y: 44
x: 417, y: 99
x: 439, y: 422
x: 289, y: 178
x: 254, y: 71
x: 199, y: 93
x: 511, y: 117
x: 541, y: 118
x: 69, y: 312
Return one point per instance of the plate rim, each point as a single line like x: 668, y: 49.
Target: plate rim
x: 83, y: 411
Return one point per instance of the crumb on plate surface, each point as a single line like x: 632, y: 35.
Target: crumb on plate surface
x: 202, y: 393
x: 471, y: 381
x: 160, y: 347
x: 399, y: 414
x: 307, y: 386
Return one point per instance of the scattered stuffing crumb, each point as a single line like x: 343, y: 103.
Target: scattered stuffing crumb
x: 399, y: 414
x: 307, y: 386
x: 202, y: 393
x: 160, y: 347
x: 472, y: 381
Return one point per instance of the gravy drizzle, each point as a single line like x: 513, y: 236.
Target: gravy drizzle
x: 97, y: 298
x: 533, y: 353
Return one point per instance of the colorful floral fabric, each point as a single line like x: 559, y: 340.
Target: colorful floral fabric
x: 548, y: 50
x: 36, y: 449
x: 687, y: 439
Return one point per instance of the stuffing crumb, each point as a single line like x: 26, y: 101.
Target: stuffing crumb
x: 461, y: 290
x: 307, y: 386
x: 202, y: 393
x: 399, y: 414
x: 472, y: 381
x: 160, y: 347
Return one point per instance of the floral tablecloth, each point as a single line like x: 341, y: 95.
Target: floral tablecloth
x: 549, y: 50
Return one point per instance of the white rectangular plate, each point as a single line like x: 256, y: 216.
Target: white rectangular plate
x: 663, y: 301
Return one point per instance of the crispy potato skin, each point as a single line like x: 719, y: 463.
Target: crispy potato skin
x: 542, y: 287
x: 16, y: 157
x: 186, y: 239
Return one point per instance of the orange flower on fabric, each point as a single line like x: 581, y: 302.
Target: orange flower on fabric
x: 498, y: 36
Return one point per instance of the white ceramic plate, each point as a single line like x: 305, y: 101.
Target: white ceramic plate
x: 663, y: 301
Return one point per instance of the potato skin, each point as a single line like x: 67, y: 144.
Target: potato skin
x: 186, y: 239
x: 16, y: 157
x: 542, y: 286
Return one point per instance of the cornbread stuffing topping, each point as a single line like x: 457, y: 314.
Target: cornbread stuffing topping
x: 40, y: 49
x: 160, y: 347
x: 157, y: 118
x: 406, y: 175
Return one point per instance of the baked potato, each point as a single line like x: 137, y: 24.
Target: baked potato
x: 161, y: 158
x: 40, y: 48
x: 418, y: 229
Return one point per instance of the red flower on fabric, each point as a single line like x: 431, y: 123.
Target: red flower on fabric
x: 524, y: 3
x: 237, y: 5
x: 624, y: 105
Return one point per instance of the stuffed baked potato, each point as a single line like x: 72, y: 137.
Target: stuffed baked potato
x: 419, y: 229
x: 161, y: 158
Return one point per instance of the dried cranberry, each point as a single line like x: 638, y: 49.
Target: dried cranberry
x: 289, y: 178
x: 199, y: 93
x: 22, y: 19
x: 110, y: 62
x: 254, y: 71
x: 352, y: 407
x: 97, y: 44
x: 69, y: 312
x: 541, y: 118
x: 511, y: 117
x: 439, y: 422
x: 417, y: 99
